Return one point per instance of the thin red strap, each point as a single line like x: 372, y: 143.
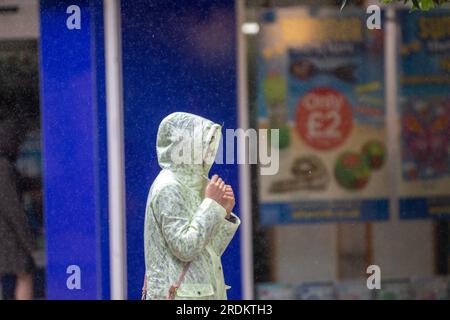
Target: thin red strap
x: 144, y: 289
x: 174, y: 288
x: 182, y: 274
x: 144, y: 286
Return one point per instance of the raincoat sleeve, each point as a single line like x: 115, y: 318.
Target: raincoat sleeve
x: 186, y: 235
x: 225, y: 234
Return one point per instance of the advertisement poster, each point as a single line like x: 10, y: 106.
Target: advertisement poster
x: 321, y: 84
x: 424, y: 110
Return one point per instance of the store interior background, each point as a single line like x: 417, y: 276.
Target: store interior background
x: 19, y: 74
x: 309, y: 260
x: 287, y: 258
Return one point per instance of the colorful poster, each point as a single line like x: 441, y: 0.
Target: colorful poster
x: 321, y: 84
x: 424, y: 109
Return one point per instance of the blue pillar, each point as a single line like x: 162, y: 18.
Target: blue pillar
x: 177, y: 56
x: 73, y: 125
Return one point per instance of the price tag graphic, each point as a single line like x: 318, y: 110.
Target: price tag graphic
x: 324, y: 118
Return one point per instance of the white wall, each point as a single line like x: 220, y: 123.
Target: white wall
x: 310, y: 253
x: 24, y: 23
x: 404, y: 248
x: 305, y: 252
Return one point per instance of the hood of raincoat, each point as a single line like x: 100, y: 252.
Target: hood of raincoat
x: 187, y: 145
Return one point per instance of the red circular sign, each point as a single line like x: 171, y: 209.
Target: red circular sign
x: 324, y: 118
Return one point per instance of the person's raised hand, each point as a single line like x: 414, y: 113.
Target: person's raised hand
x: 228, y: 200
x: 215, y: 189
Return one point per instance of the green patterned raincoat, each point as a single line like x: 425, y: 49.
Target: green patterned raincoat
x: 180, y: 224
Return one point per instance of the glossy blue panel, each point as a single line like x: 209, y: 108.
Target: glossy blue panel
x: 177, y: 56
x: 71, y: 136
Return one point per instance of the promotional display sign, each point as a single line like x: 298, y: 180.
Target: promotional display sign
x: 424, y: 110
x: 321, y: 84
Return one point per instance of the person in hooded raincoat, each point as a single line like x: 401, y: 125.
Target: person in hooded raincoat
x: 188, y: 218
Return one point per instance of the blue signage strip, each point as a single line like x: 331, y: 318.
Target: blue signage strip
x: 177, y: 56
x: 421, y: 208
x: 324, y: 211
x: 73, y: 119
